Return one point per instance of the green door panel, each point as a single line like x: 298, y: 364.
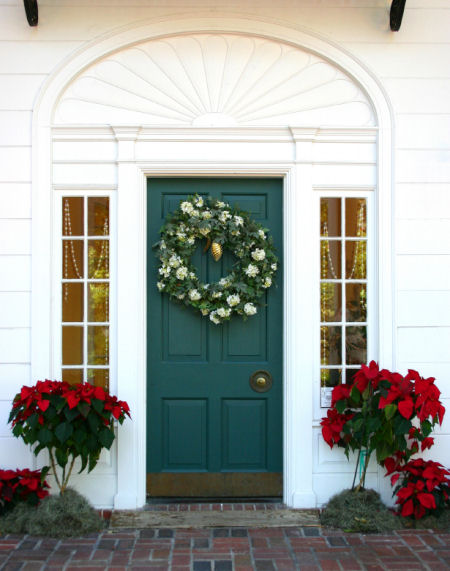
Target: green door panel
x: 203, y: 416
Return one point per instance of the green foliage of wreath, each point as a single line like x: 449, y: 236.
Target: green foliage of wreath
x: 215, y: 221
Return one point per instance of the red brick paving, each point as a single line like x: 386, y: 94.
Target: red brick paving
x: 229, y: 549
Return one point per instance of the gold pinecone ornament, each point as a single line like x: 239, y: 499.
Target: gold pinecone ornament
x: 216, y: 250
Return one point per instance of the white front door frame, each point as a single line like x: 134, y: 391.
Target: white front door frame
x: 132, y: 175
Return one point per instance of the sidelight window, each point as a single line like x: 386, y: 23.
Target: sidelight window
x: 344, y: 290
x: 85, y: 294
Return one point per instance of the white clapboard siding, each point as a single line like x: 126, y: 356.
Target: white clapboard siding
x: 12, y: 378
x: 15, y: 200
x: 426, y: 272
x: 15, y: 127
x: 423, y: 165
x: 15, y: 236
x: 424, y: 344
x: 15, y: 454
x: 415, y: 95
x: 15, y: 345
x: 423, y: 236
x: 16, y: 164
x: 19, y: 92
x: 423, y: 308
x: 15, y: 309
x: 33, y: 57
x: 423, y: 131
x: 15, y: 273
x: 423, y: 200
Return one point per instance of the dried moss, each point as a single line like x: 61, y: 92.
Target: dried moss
x: 69, y: 515
x: 361, y: 511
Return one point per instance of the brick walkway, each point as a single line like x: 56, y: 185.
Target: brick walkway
x: 229, y: 549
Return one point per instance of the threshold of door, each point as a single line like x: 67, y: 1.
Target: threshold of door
x: 218, y: 500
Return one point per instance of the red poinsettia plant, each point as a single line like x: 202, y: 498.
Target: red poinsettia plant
x: 423, y: 487
x: 25, y: 485
x: 382, y: 412
x: 69, y: 421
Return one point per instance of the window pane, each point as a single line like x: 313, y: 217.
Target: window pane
x: 330, y: 346
x: 72, y: 302
x: 350, y: 373
x: 356, y: 345
x: 98, y: 345
x: 330, y: 301
x: 330, y: 377
x: 99, y: 378
x: 98, y: 259
x: 330, y: 259
x: 355, y: 259
x: 72, y: 376
x: 330, y: 216
x: 98, y: 216
x: 72, y: 216
x: 356, y: 302
x: 72, y: 345
x: 98, y: 302
x: 73, y: 256
x: 355, y: 217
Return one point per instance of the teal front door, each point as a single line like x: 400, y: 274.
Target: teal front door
x: 209, y: 432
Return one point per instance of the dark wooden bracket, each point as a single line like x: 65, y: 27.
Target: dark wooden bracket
x: 396, y: 15
x: 31, y: 10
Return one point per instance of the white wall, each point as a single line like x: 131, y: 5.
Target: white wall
x: 412, y: 66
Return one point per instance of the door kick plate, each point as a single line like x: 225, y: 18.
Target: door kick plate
x: 261, y: 381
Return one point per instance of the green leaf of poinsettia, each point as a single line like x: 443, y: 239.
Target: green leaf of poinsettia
x: 106, y: 438
x: 63, y: 431
x: 390, y: 410
x: 61, y: 457
x: 44, y: 436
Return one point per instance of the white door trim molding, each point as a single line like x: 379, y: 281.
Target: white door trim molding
x: 131, y: 180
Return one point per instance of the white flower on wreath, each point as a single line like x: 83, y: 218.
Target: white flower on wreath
x: 235, y: 232
x: 199, y: 201
x: 220, y: 204
x: 224, y: 216
x: 164, y: 271
x: 186, y: 207
x: 223, y: 312
x: 174, y: 261
x: 181, y: 235
x: 181, y: 296
x: 259, y: 254
x: 192, y: 275
x: 182, y: 273
x: 195, y: 213
x: 267, y: 282
x: 214, y: 318
x: 194, y: 294
x: 205, y: 286
x: 274, y: 267
x: 224, y: 282
x: 217, y: 294
x: 262, y: 234
x: 233, y: 300
x: 204, y: 311
x: 251, y: 270
x: 162, y: 245
x: 238, y: 220
x: 206, y: 215
x: 250, y: 309
x: 191, y: 240
x: 204, y: 231
x: 160, y: 285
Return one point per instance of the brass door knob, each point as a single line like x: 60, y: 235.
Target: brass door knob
x: 261, y: 381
